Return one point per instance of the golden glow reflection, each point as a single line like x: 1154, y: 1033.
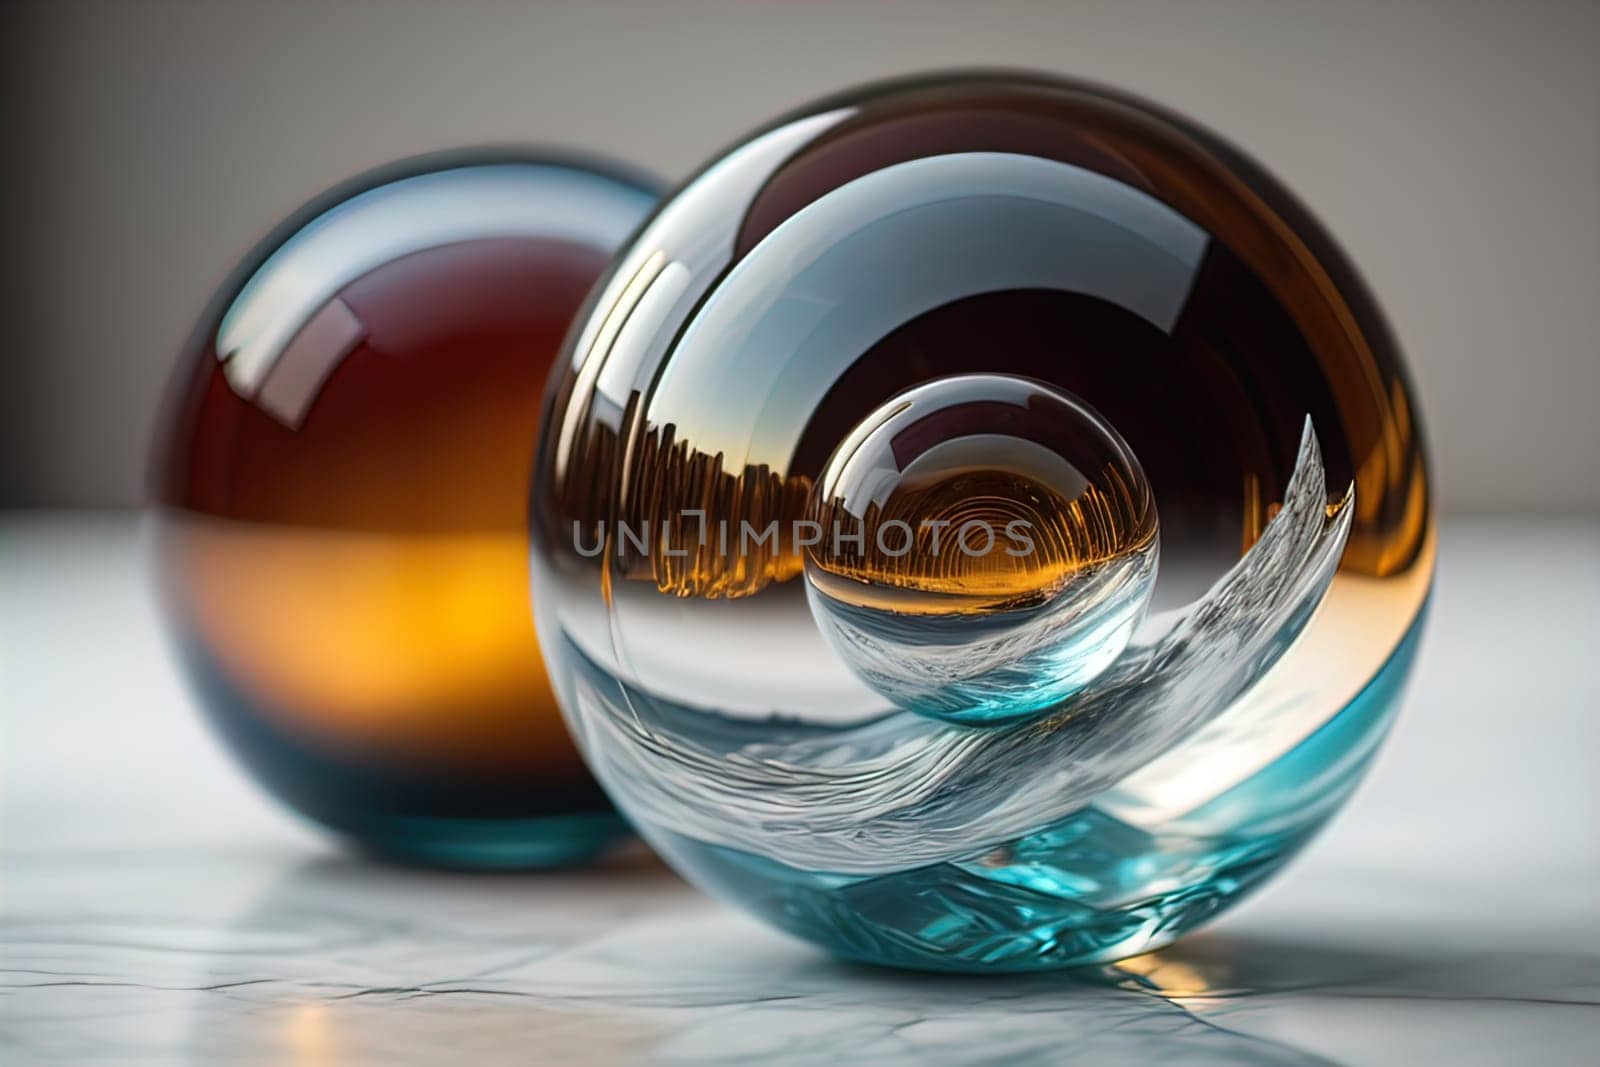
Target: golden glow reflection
x: 418, y: 644
x: 1067, y: 539
x: 1167, y: 976
x: 308, y: 1036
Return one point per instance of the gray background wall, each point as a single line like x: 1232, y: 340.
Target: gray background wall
x: 1453, y: 147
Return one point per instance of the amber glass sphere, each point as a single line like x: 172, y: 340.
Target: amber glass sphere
x: 984, y: 297
x: 339, y: 505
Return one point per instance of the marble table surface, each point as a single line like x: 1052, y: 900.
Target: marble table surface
x: 156, y: 908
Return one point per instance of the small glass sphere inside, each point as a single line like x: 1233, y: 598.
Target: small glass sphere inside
x: 1012, y: 300
x: 982, y: 547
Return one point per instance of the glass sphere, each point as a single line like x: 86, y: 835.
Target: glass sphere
x: 754, y: 336
x: 982, y: 547
x: 339, y: 505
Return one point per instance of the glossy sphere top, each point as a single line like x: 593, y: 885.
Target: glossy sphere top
x: 340, y: 491
x: 903, y: 235
x: 973, y: 224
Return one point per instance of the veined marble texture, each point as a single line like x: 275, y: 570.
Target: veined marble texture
x: 155, y: 909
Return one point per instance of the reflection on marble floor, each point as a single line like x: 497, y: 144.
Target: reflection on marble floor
x: 340, y: 960
x: 154, y: 909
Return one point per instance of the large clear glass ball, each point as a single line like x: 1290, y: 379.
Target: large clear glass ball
x: 888, y: 240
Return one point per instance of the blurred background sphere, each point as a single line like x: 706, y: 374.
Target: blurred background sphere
x: 339, y: 495
x: 767, y: 318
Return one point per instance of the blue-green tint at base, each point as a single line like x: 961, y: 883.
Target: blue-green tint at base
x: 1078, y: 891
x: 494, y: 844
x: 371, y: 807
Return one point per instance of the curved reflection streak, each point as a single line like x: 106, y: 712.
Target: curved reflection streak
x: 831, y: 281
x: 903, y: 791
x: 383, y: 224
